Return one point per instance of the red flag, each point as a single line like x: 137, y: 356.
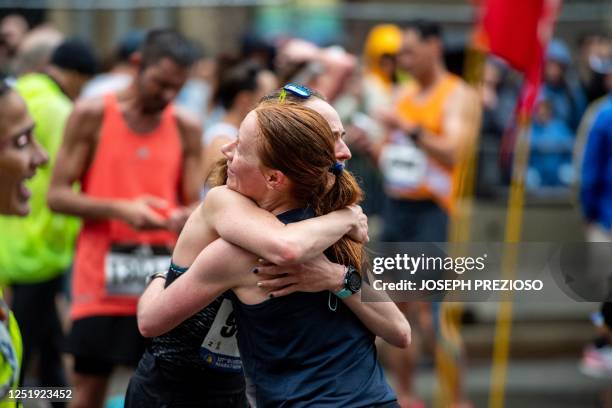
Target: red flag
x: 510, y: 30
x: 518, y: 31
x: 533, y: 71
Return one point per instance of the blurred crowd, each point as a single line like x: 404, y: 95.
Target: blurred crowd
x: 412, y: 125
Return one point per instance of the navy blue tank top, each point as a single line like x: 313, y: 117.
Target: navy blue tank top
x: 298, y: 352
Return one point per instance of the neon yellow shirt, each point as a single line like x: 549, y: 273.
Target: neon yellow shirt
x: 40, y: 246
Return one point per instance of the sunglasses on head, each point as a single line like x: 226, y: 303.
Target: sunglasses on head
x: 300, y: 91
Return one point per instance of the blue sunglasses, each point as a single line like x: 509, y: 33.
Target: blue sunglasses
x: 296, y: 89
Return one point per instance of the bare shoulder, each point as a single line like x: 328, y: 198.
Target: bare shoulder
x: 406, y: 90
x: 223, y: 198
x: 85, y: 119
x: 89, y: 109
x: 463, y: 99
x: 222, y: 195
x: 464, y: 93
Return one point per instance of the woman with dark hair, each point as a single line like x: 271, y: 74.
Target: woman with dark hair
x: 20, y: 156
x: 305, y: 348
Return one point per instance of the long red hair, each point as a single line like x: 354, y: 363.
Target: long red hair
x: 298, y: 141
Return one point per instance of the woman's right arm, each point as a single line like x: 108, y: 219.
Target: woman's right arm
x: 162, y: 309
x: 239, y: 220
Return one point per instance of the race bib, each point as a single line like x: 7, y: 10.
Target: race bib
x: 403, y: 165
x: 128, y: 266
x: 220, y: 348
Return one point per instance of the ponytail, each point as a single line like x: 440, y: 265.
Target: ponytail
x: 344, y: 191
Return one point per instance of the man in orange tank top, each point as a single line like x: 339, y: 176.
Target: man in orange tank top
x: 434, y: 119
x: 137, y: 159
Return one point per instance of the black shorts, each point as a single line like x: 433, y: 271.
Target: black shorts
x: 100, y: 343
x: 155, y: 385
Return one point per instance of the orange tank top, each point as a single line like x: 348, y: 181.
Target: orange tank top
x: 409, y: 172
x: 112, y: 260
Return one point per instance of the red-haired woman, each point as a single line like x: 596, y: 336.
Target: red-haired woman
x: 305, y: 348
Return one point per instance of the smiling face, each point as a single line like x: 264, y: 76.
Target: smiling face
x: 244, y: 173
x: 20, y: 155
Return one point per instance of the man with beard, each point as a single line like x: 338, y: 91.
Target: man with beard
x: 137, y: 159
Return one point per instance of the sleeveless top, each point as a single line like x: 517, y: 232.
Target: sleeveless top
x: 408, y: 171
x: 204, y: 345
x: 297, y: 351
x: 112, y: 259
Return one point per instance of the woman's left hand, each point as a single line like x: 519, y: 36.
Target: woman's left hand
x: 315, y: 275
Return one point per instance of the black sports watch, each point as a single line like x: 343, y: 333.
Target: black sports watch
x: 352, y: 283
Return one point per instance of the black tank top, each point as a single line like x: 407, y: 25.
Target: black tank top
x: 204, y: 344
x: 309, y: 350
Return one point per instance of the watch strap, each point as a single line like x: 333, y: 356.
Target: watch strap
x: 346, y: 290
x: 343, y: 293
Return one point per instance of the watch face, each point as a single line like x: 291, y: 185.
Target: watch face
x: 354, y: 282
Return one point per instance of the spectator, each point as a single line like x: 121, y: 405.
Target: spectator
x: 550, y: 160
x: 596, y: 201
x: 36, y: 48
x: 238, y: 92
x: 324, y: 69
x: 593, y: 49
x: 596, y: 176
x: 367, y: 93
x: 380, y: 60
x: 599, y: 67
x: 40, y: 247
x: 13, y: 29
x: 138, y: 161
x: 123, y: 70
x: 433, y: 124
x: 197, y: 92
x: 20, y: 156
x: 566, y: 97
x: 499, y: 94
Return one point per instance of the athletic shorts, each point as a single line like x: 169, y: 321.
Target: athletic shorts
x: 413, y: 221
x: 100, y: 343
x: 155, y: 384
